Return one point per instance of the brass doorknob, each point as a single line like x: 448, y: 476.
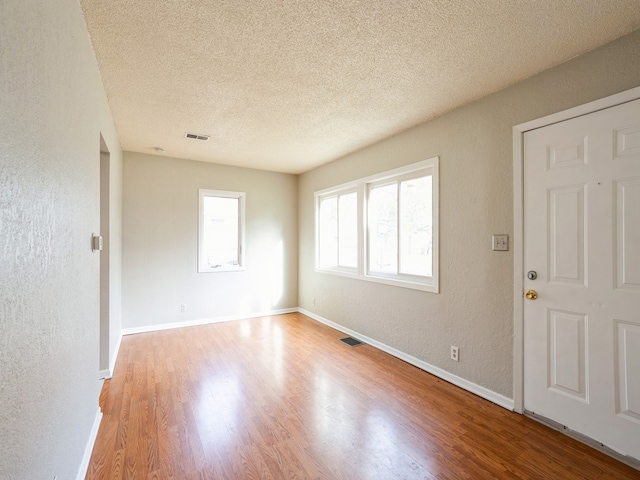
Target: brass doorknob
x: 531, y: 295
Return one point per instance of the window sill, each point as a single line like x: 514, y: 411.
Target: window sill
x: 221, y: 269
x: 425, y: 287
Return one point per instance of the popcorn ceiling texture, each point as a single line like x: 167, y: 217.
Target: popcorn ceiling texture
x: 288, y: 86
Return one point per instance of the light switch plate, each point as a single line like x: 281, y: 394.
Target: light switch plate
x: 500, y: 243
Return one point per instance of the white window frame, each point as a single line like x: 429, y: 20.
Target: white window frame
x: 362, y: 186
x: 344, y: 189
x: 203, y: 265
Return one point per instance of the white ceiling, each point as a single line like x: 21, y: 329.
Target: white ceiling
x: 289, y: 85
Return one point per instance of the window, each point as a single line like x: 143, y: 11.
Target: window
x: 382, y: 228
x: 400, y: 226
x: 338, y: 226
x: 221, y: 231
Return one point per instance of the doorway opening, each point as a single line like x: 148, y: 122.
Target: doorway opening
x: 105, y: 167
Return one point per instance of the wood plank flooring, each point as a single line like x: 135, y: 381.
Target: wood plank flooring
x: 281, y: 398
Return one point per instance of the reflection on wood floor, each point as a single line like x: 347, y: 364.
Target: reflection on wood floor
x: 281, y: 398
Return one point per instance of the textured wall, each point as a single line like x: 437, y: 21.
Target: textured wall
x: 52, y: 110
x: 475, y: 307
x: 161, y: 236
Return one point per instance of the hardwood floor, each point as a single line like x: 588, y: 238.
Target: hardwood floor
x: 281, y: 398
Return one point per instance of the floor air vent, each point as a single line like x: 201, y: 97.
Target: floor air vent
x: 352, y: 342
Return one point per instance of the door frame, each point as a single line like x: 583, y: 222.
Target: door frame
x: 518, y: 223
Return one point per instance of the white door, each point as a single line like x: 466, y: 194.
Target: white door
x: 582, y: 238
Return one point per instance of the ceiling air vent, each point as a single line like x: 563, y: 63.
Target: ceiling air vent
x: 195, y: 136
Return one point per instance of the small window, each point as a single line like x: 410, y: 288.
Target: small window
x: 382, y: 228
x: 221, y: 231
x: 338, y: 230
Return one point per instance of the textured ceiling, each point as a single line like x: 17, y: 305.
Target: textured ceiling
x: 290, y: 85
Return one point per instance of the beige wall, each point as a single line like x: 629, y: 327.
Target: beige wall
x: 161, y: 237
x: 52, y: 112
x: 474, y: 309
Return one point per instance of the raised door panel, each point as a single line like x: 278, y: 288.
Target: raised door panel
x: 628, y: 370
x: 566, y: 227
x: 567, y: 354
x: 569, y: 153
x: 627, y: 141
x: 627, y: 234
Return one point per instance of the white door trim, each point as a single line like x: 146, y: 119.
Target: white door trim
x: 518, y: 223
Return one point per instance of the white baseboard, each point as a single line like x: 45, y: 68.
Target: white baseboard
x: 204, y: 321
x: 483, y: 392
x: 88, y: 449
x: 105, y: 374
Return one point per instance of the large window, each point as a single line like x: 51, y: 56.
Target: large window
x: 221, y: 231
x: 382, y: 228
